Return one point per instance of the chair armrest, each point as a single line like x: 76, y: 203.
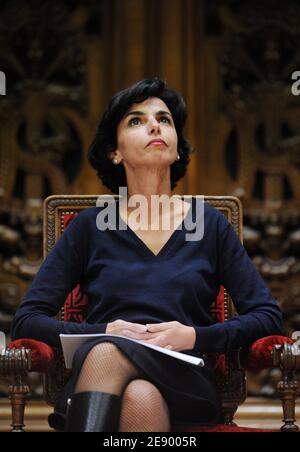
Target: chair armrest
x: 42, y: 355
x: 287, y: 358
x: 16, y: 360
x: 259, y: 355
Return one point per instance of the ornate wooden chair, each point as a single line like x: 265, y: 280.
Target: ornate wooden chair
x: 25, y: 355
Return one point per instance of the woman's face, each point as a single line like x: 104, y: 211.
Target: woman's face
x: 146, y: 135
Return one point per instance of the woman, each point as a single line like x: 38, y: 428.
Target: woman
x: 145, y: 284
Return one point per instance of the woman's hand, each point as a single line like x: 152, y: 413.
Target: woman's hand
x: 171, y: 335
x: 122, y: 328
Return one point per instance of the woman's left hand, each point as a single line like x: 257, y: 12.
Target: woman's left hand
x: 171, y: 335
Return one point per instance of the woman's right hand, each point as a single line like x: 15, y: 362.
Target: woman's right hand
x: 122, y: 328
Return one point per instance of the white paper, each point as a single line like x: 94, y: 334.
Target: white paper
x: 71, y: 342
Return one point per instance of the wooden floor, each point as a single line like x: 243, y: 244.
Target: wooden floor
x: 255, y: 412
x: 262, y: 413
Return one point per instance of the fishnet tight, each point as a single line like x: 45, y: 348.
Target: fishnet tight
x: 107, y: 369
x: 143, y: 409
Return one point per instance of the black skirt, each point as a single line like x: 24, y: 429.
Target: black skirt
x: 189, y: 391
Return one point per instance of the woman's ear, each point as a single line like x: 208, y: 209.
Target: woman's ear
x: 115, y: 157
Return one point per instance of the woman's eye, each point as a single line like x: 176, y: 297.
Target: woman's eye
x: 165, y: 120
x: 134, y: 121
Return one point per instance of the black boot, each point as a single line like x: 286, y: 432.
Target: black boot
x: 93, y: 412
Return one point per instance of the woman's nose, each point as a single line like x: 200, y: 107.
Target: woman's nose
x: 154, y: 127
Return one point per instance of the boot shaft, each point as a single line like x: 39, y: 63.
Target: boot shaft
x: 93, y: 411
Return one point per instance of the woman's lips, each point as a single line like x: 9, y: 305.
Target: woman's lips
x: 157, y: 143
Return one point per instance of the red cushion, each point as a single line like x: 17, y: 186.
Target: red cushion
x: 42, y: 355
x: 259, y: 356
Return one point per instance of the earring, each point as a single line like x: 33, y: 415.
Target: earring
x: 178, y: 157
x: 115, y: 161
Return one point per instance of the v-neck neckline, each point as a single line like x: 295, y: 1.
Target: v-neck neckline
x: 168, y: 244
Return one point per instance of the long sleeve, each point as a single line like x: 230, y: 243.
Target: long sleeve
x: 58, y: 275
x: 259, y: 314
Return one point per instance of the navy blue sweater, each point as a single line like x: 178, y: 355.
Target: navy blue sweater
x: 123, y: 279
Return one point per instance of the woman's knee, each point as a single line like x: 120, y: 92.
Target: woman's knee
x: 143, y: 408
x: 139, y: 393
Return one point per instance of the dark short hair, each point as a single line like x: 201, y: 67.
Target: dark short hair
x: 105, y: 141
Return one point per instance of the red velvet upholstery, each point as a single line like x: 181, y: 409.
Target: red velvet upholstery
x: 217, y: 308
x: 42, y: 355
x: 75, y: 306
x: 258, y: 356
